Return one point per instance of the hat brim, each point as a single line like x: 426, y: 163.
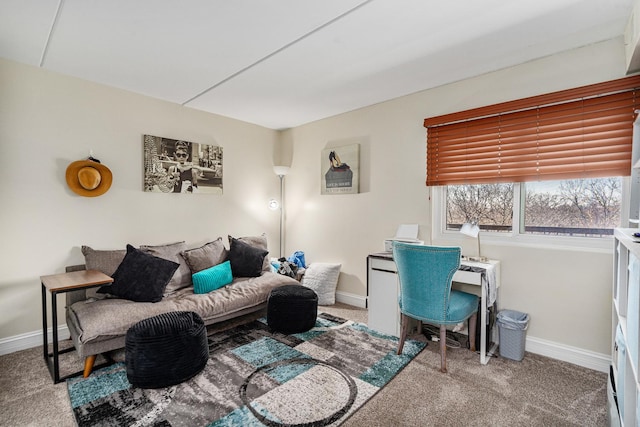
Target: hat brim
x: 74, y: 184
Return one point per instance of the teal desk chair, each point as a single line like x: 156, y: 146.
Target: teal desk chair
x: 425, y: 274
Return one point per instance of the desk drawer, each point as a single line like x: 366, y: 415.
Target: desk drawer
x: 383, y: 264
x: 469, y: 277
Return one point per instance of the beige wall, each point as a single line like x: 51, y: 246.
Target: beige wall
x: 567, y: 293
x: 47, y: 121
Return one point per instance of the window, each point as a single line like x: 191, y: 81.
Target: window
x: 577, y: 207
x: 545, y: 165
x: 488, y: 205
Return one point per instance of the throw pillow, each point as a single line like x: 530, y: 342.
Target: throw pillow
x: 259, y: 242
x: 212, y: 278
x: 140, y: 277
x: 322, y: 278
x: 208, y: 255
x: 246, y: 260
x: 182, y: 277
x: 106, y: 261
x: 101, y: 260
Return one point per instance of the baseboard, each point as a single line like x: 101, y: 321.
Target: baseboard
x: 30, y: 340
x: 589, y: 359
x: 351, y: 299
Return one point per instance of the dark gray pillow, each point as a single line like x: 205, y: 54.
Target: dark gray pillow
x: 259, y: 242
x: 140, y: 277
x: 246, y: 260
x: 206, y: 256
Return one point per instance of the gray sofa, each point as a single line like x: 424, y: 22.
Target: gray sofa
x: 98, y: 323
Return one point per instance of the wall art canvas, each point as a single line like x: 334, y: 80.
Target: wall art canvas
x: 341, y: 170
x: 178, y: 166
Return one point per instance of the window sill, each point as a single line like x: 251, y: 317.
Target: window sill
x: 563, y: 243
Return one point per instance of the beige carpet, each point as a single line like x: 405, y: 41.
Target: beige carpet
x: 535, y: 392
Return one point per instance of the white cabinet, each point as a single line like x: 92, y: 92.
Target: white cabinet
x: 382, y: 283
x: 625, y: 330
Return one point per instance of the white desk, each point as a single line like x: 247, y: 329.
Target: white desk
x: 383, y: 290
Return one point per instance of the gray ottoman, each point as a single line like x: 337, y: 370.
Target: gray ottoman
x: 165, y: 350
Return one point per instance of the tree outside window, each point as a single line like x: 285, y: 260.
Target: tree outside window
x: 576, y: 207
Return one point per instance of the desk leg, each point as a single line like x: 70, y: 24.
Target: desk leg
x: 483, y: 325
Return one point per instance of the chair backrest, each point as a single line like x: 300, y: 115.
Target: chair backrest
x: 425, y: 274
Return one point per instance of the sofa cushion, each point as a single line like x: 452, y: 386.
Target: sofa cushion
x: 212, y: 278
x: 112, y: 317
x: 246, y: 260
x: 141, y: 277
x: 208, y: 255
x: 182, y: 277
x: 259, y: 242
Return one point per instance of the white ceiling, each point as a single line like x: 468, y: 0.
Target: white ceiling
x: 283, y: 63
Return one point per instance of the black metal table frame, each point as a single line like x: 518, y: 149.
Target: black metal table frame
x: 52, y: 359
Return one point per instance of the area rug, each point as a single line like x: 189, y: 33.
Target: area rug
x: 255, y: 377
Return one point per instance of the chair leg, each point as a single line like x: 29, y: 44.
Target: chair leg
x: 473, y: 321
x: 404, y: 326
x: 88, y: 365
x: 443, y: 349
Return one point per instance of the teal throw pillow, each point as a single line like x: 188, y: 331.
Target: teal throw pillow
x: 212, y: 278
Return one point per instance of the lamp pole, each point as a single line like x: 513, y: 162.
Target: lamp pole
x: 281, y: 214
x: 281, y: 171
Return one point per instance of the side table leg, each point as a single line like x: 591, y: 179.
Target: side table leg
x: 45, y: 337
x: 54, y: 325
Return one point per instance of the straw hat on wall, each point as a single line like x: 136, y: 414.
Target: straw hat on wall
x: 89, y: 177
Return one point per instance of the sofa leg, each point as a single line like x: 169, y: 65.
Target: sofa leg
x: 88, y: 365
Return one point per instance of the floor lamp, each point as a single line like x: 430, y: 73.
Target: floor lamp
x: 281, y: 171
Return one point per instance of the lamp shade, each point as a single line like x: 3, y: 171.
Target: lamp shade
x: 469, y: 229
x: 281, y: 170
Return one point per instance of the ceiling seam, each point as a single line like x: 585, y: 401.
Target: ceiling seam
x: 51, y: 30
x: 275, y: 52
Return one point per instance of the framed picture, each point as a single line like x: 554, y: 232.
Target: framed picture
x: 177, y: 166
x: 340, y: 168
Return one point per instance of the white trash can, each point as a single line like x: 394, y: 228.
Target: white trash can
x: 512, y: 327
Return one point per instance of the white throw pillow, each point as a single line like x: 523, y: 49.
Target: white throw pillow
x: 322, y: 277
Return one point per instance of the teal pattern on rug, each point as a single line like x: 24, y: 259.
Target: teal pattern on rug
x: 280, y: 386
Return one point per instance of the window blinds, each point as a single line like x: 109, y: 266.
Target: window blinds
x: 576, y: 133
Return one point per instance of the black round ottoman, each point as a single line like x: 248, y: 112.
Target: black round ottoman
x: 165, y: 350
x: 292, y: 309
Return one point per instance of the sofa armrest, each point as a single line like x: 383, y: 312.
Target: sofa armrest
x: 80, y: 294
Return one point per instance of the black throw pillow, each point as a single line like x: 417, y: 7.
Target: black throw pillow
x: 246, y: 260
x: 140, y: 277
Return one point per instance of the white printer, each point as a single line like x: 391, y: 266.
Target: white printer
x: 406, y: 233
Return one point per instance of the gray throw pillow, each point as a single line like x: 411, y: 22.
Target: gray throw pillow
x: 208, y: 255
x: 106, y: 261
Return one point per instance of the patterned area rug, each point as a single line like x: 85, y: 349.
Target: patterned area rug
x: 255, y: 377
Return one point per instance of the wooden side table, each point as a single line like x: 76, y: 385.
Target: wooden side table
x: 57, y: 284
